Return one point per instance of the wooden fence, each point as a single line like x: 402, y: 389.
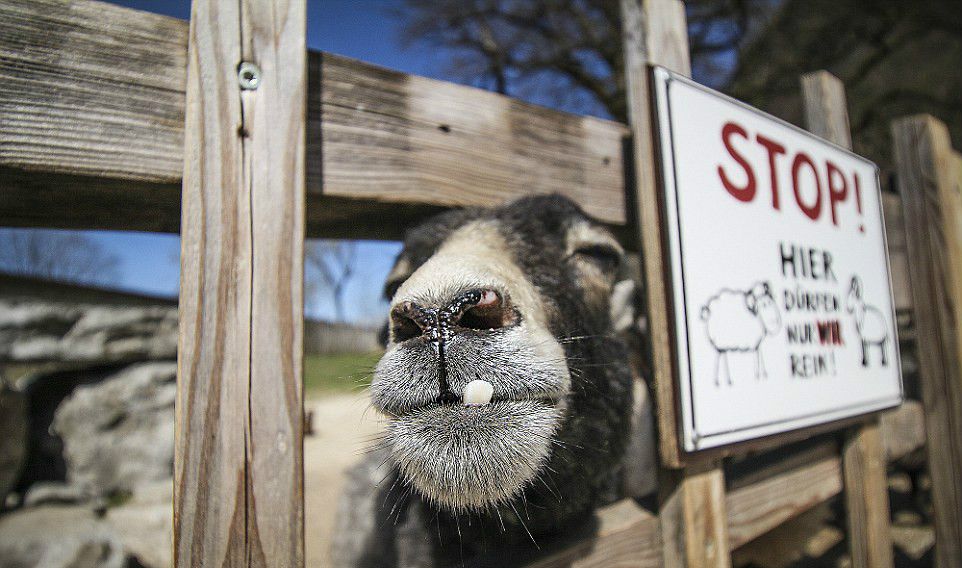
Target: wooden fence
x: 229, y: 131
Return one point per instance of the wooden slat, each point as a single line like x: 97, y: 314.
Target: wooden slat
x: 93, y: 89
x: 813, y: 477
x: 94, y: 93
x: 863, y: 458
x: 826, y: 111
x: 692, y: 503
x: 637, y: 17
x: 866, y: 497
x: 636, y: 49
x: 759, y: 501
x: 770, y: 493
x: 898, y: 254
x: 274, y: 36
x: 387, y: 135
x: 694, y: 521
x: 213, y: 355
x: 930, y: 182
x: 238, y: 498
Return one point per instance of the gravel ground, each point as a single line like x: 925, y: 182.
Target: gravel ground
x: 343, y: 427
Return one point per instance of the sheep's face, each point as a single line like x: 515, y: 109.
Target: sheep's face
x: 763, y: 304
x: 493, y: 296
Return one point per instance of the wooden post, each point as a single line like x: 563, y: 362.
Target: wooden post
x: 863, y: 455
x: 238, y: 475
x: 692, y: 511
x: 930, y: 182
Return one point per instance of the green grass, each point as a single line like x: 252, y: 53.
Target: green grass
x: 339, y: 373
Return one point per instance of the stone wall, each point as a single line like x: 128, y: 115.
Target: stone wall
x: 86, y: 430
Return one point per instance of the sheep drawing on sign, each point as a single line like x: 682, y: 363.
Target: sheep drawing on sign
x: 870, y: 324
x: 739, y: 320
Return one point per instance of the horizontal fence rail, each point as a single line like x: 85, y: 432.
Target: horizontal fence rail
x: 94, y: 98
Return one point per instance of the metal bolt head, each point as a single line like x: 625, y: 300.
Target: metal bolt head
x: 248, y: 75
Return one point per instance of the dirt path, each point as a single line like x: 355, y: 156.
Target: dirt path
x: 342, y: 429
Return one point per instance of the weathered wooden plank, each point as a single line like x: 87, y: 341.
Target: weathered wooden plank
x: 93, y: 89
x: 898, y: 253
x: 692, y: 499
x: 390, y: 136
x: 930, y: 182
x: 866, y: 497
x: 275, y: 121
x: 765, y: 497
x: 694, y: 522
x: 826, y: 111
x: 755, y: 509
x: 638, y: 16
x: 213, y: 359
x: 863, y: 458
x: 628, y: 535
x: 96, y: 91
x: 238, y: 468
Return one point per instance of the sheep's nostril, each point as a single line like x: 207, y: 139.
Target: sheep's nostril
x: 489, y: 311
x: 407, y: 322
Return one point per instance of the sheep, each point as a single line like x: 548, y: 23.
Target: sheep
x: 870, y: 324
x: 739, y: 320
x: 508, y: 396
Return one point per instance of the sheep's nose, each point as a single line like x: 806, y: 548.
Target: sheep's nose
x: 479, y: 309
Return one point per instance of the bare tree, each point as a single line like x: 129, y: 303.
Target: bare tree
x: 567, y: 53
x: 895, y: 57
x: 333, y: 262
x: 58, y: 255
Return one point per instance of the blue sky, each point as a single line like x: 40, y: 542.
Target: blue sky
x: 363, y: 29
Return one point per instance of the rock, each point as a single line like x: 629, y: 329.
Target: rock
x: 33, y: 331
x: 45, y: 392
x: 58, y: 537
x: 118, y: 434
x: 145, y: 524
x: 13, y: 439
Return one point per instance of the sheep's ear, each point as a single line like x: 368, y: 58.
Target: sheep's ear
x: 857, y: 287
x: 751, y: 302
x: 592, y: 246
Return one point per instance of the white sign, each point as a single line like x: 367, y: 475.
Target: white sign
x: 780, y: 282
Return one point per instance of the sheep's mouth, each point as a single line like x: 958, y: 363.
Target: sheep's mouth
x: 466, y: 457
x: 472, y: 457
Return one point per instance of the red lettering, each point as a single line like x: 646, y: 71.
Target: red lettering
x: 836, y: 191
x: 747, y: 192
x: 774, y: 149
x: 811, y: 211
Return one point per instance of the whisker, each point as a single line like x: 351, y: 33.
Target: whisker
x: 524, y: 525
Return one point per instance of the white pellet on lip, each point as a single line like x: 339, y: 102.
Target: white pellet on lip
x: 477, y: 393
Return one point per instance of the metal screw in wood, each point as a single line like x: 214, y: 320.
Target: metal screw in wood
x: 248, y: 75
